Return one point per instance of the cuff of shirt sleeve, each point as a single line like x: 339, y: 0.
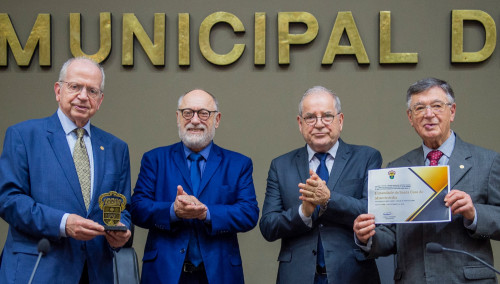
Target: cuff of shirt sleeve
x: 62, y: 225
x: 471, y: 225
x: 173, y: 217
x: 208, y: 219
x: 364, y: 247
x: 305, y: 219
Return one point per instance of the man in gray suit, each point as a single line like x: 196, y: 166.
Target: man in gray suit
x: 474, y: 200
x: 313, y: 195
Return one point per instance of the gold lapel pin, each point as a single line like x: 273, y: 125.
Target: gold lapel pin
x: 462, y: 166
x: 102, y: 148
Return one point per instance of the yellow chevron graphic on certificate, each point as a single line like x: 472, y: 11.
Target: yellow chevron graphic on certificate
x: 409, y: 194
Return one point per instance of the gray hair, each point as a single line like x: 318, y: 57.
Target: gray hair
x: 64, y: 69
x: 213, y: 98
x: 426, y: 84
x: 320, y: 89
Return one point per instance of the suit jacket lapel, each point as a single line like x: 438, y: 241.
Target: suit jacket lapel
x: 343, y: 155
x: 179, y: 160
x: 416, y: 157
x: 214, y: 159
x: 459, y: 162
x: 302, y: 164
x: 98, y: 148
x: 59, y: 143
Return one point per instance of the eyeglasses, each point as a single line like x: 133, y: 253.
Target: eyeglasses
x: 203, y: 114
x: 75, y: 88
x: 437, y: 107
x: 312, y: 120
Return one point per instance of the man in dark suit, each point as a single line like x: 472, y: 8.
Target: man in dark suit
x: 474, y: 200
x: 194, y: 197
x: 315, y: 222
x: 50, y: 182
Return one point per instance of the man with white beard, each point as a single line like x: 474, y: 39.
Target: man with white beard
x: 194, y: 197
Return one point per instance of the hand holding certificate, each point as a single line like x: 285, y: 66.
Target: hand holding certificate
x: 409, y: 194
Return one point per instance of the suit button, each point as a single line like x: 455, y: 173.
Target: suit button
x: 314, y: 252
x: 183, y: 250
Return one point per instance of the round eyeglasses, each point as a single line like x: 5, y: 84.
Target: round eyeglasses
x: 203, y: 114
x: 311, y: 120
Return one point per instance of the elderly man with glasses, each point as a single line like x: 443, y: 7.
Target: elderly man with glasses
x: 194, y: 197
x: 474, y: 199
x: 313, y: 195
x: 52, y: 172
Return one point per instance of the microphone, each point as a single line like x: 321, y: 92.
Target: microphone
x: 43, y: 249
x: 437, y: 248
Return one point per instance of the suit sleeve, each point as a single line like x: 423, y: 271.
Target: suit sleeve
x: 125, y: 186
x: 384, y: 241
x: 276, y: 222
x: 242, y: 215
x: 488, y: 214
x: 343, y: 208
x: 146, y: 211
x: 17, y: 206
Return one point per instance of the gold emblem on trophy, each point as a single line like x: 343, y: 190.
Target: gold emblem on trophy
x: 112, y: 204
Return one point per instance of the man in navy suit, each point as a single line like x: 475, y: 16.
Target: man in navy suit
x: 194, y: 197
x: 474, y: 199
x: 313, y: 195
x: 41, y: 192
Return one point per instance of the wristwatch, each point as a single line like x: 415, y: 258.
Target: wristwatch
x: 324, y: 206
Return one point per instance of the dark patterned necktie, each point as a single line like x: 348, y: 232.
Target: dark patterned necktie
x: 434, y: 157
x: 82, y: 165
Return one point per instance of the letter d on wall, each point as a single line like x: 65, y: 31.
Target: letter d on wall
x: 457, y: 36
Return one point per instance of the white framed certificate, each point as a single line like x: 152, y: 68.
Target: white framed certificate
x: 409, y: 194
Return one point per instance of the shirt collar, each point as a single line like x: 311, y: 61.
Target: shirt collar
x: 332, y: 151
x: 446, y: 147
x: 68, y: 125
x: 205, y: 152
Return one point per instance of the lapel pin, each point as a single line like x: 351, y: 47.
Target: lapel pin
x: 462, y: 166
x: 102, y: 148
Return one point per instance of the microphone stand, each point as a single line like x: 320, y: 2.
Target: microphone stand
x: 437, y: 248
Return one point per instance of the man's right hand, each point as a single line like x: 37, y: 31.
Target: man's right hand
x: 82, y: 229
x: 364, y: 227
x: 188, y: 207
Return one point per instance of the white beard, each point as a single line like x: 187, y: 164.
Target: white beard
x: 199, y: 140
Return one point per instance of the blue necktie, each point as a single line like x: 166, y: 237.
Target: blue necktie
x: 194, y: 254
x: 322, y: 172
x: 195, y: 159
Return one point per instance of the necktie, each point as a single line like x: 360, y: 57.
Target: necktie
x: 322, y: 172
x: 195, y: 159
x: 194, y: 254
x: 82, y: 165
x: 434, y: 157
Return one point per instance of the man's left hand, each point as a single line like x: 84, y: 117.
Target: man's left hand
x: 314, y: 190
x: 460, y: 203
x: 117, y: 239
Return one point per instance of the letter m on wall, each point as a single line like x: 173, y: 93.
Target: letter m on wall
x: 40, y: 35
